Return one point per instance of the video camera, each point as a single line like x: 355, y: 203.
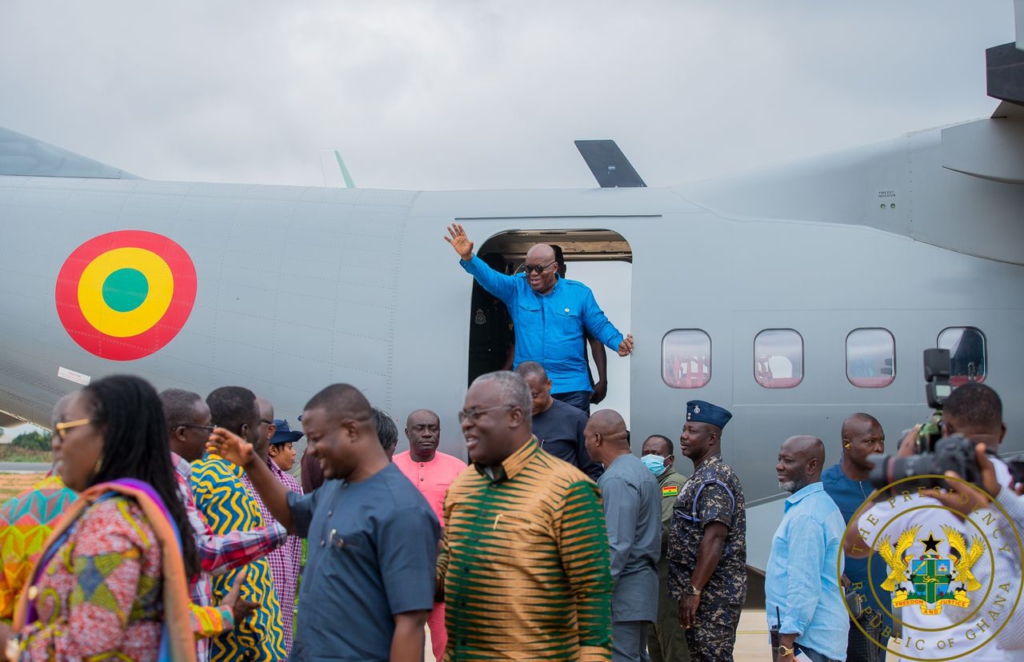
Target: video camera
x: 954, y: 453
x: 934, y: 454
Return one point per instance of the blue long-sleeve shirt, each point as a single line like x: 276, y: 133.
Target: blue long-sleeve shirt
x: 802, y: 577
x: 549, y: 327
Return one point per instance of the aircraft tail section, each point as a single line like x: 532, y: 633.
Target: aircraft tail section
x: 21, y: 155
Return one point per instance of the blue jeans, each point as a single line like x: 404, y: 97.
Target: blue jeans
x: 578, y: 399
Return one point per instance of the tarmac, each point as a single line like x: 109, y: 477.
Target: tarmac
x: 751, y: 639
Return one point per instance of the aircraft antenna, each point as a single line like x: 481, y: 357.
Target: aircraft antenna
x: 332, y: 165
x: 344, y: 171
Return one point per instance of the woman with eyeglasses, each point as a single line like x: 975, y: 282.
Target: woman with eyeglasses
x: 112, y: 581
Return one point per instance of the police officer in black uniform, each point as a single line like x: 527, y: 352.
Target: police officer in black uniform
x: 707, y: 550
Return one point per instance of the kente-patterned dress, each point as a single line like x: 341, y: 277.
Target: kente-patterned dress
x: 100, y: 596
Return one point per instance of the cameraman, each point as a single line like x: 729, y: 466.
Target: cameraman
x: 975, y: 411
x: 966, y: 500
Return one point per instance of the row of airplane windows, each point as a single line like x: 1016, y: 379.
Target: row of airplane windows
x: 778, y: 357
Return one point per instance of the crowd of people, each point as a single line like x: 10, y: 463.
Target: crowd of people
x: 171, y: 527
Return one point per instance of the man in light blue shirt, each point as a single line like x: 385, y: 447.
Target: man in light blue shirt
x: 802, y: 577
x: 550, y: 315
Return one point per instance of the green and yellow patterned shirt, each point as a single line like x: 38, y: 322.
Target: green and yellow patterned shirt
x: 228, y: 506
x: 525, y: 564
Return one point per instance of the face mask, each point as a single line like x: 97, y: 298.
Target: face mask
x: 655, y: 463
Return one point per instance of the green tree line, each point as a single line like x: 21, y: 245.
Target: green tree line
x: 36, y: 441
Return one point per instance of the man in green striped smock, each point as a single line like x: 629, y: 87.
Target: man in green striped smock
x: 524, y: 567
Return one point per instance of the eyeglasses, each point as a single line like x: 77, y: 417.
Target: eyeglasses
x: 208, y: 428
x: 536, y: 268
x: 474, y: 414
x: 60, y: 428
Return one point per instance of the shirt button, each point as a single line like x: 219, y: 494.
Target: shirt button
x: 421, y: 479
x: 330, y: 512
x: 322, y: 543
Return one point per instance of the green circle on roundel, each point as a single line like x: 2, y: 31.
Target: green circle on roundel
x: 125, y: 290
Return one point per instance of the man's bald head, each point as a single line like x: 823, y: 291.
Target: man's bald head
x: 342, y: 402
x: 541, y: 252
x: 862, y: 437
x: 541, y: 268
x: 606, y: 436
x: 859, y: 421
x: 807, y: 447
x: 609, y: 423
x: 800, y: 462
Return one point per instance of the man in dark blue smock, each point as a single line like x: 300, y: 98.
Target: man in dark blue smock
x: 847, y: 483
x: 550, y: 315
x: 368, y: 585
x: 558, y: 426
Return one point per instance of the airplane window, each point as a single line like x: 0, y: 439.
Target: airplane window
x: 870, y: 358
x: 686, y: 358
x: 966, y: 346
x: 778, y: 358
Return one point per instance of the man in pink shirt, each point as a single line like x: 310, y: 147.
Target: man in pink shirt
x: 432, y: 472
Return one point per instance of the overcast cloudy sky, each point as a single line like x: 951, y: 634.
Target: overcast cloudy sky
x: 454, y: 94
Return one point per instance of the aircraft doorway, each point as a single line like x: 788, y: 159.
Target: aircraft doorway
x: 601, y: 259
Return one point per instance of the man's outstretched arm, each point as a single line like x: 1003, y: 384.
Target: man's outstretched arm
x: 234, y: 449
x: 498, y: 284
x: 599, y: 326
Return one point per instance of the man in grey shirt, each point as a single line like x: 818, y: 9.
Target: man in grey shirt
x: 632, y: 510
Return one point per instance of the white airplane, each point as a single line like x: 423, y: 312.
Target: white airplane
x: 793, y: 296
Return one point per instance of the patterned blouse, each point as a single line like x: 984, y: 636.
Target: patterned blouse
x: 100, y: 595
x: 25, y: 524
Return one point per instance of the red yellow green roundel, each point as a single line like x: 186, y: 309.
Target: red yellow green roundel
x: 124, y: 295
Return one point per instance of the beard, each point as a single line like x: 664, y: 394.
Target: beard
x: 791, y: 486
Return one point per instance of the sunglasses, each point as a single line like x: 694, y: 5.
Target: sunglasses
x: 537, y: 268
x: 60, y: 428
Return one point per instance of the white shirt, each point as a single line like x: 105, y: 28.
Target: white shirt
x: 956, y: 631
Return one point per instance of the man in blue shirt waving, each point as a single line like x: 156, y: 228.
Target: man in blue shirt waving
x: 802, y: 577
x: 550, y: 315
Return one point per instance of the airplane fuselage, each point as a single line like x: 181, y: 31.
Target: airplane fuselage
x: 297, y: 288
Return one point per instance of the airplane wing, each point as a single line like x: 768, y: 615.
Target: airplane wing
x: 21, y: 155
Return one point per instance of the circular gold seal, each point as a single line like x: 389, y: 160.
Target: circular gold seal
x: 942, y: 570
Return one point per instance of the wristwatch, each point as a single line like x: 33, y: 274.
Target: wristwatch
x: 784, y: 652
x: 690, y: 590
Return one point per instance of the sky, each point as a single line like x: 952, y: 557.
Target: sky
x: 481, y: 94
x: 460, y: 94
